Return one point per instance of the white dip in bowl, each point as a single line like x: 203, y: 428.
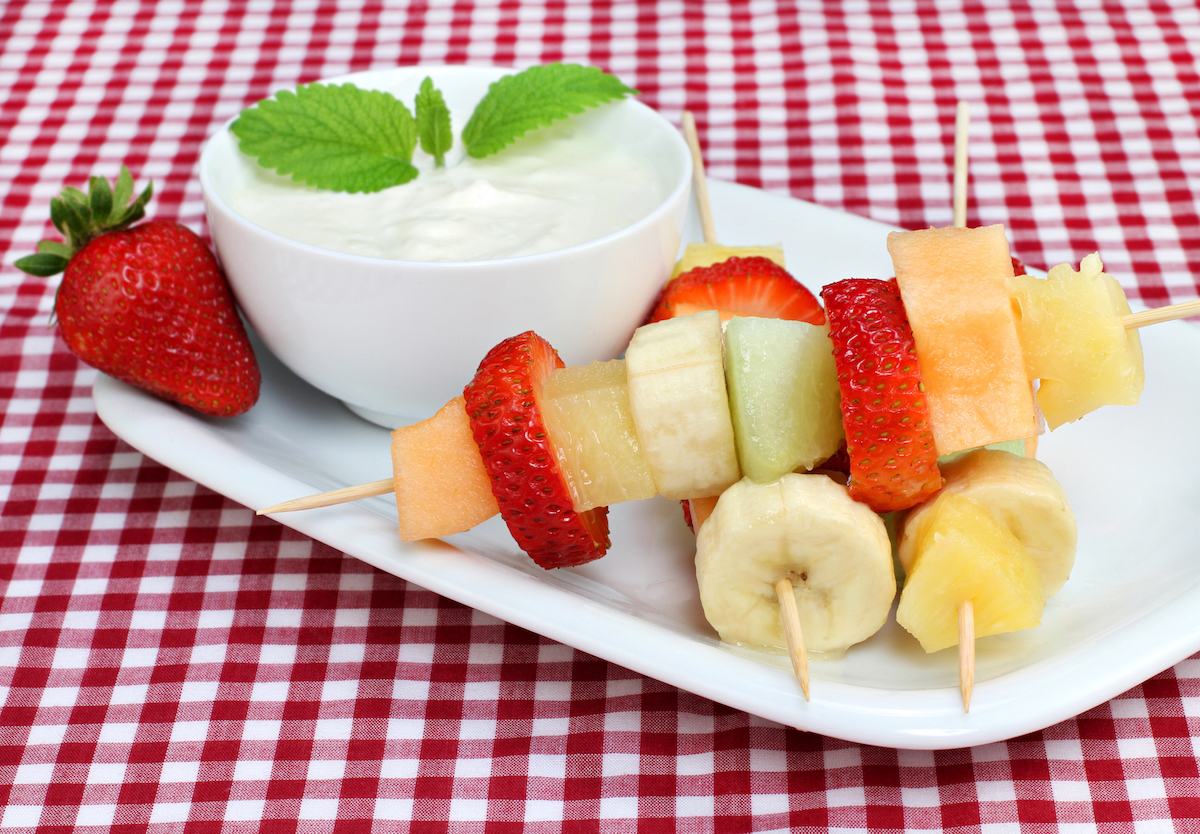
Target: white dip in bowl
x: 388, y: 301
x: 565, y: 185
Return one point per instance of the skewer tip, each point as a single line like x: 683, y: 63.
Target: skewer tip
x: 966, y: 651
x: 791, y: 629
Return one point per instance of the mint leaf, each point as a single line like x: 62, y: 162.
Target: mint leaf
x: 433, y: 122
x: 337, y: 137
x: 537, y: 97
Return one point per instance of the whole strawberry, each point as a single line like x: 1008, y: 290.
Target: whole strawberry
x: 148, y: 304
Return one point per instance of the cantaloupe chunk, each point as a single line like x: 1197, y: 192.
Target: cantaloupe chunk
x: 700, y: 509
x: 955, y: 286
x: 441, y: 485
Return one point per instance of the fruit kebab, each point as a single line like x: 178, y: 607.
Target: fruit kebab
x: 981, y: 343
x: 782, y: 555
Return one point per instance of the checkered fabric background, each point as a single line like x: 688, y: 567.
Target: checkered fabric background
x: 169, y: 660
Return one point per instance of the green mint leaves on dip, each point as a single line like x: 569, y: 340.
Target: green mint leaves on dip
x: 537, y: 97
x: 332, y: 136
x: 433, y: 122
x: 342, y: 138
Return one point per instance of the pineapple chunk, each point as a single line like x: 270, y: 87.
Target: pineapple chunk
x: 783, y: 395
x: 1074, y: 342
x: 707, y: 254
x: 586, y: 411
x: 962, y: 553
x: 1023, y: 496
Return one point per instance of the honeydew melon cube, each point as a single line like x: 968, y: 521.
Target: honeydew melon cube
x: 783, y: 395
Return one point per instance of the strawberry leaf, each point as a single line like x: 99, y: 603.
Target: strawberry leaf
x: 433, y: 122
x: 83, y: 217
x: 537, y: 97
x: 100, y: 199
x: 336, y: 137
x: 54, y: 247
x: 124, y: 189
x: 42, y: 265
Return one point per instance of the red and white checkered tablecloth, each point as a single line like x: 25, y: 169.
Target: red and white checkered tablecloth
x: 168, y: 660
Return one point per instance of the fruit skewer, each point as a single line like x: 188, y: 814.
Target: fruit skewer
x: 966, y: 608
x: 785, y: 591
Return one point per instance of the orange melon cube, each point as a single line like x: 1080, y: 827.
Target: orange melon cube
x: 700, y: 509
x: 955, y: 286
x: 441, y: 485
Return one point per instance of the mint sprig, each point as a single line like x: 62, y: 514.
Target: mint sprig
x: 537, y: 97
x: 336, y: 137
x: 343, y: 138
x: 433, y: 122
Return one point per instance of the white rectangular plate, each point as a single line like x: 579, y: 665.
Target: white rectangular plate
x: 1131, y: 609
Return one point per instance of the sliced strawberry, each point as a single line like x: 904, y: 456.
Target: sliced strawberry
x: 502, y: 403
x: 1018, y: 267
x: 893, y: 461
x: 738, y: 287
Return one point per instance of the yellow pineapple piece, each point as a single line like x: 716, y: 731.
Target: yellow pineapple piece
x: 962, y: 553
x: 955, y: 286
x: 1074, y: 342
x: 586, y: 411
x: 1022, y: 495
x: 707, y: 254
x: 441, y: 485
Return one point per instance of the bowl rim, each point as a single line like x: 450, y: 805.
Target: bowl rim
x: 213, y: 199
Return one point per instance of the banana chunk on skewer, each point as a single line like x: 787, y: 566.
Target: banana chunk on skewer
x: 680, y: 408
x: 1023, y: 496
x: 805, y: 528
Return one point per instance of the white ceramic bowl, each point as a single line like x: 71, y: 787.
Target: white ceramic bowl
x: 394, y: 340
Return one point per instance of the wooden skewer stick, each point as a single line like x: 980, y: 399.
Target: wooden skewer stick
x: 337, y: 496
x: 795, y: 635
x: 966, y: 651
x: 962, y: 123
x: 783, y: 588
x: 1161, y: 314
x: 966, y: 610
x: 700, y: 183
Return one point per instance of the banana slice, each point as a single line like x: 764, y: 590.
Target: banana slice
x: 807, y: 528
x: 1023, y: 496
x: 680, y: 410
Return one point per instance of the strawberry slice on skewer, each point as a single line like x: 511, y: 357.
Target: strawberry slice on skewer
x: 893, y: 460
x: 506, y: 421
x: 754, y: 286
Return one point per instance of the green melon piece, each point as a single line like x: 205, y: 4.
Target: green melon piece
x: 1013, y: 447
x: 783, y: 395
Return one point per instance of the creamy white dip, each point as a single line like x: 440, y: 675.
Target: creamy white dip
x: 560, y: 187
